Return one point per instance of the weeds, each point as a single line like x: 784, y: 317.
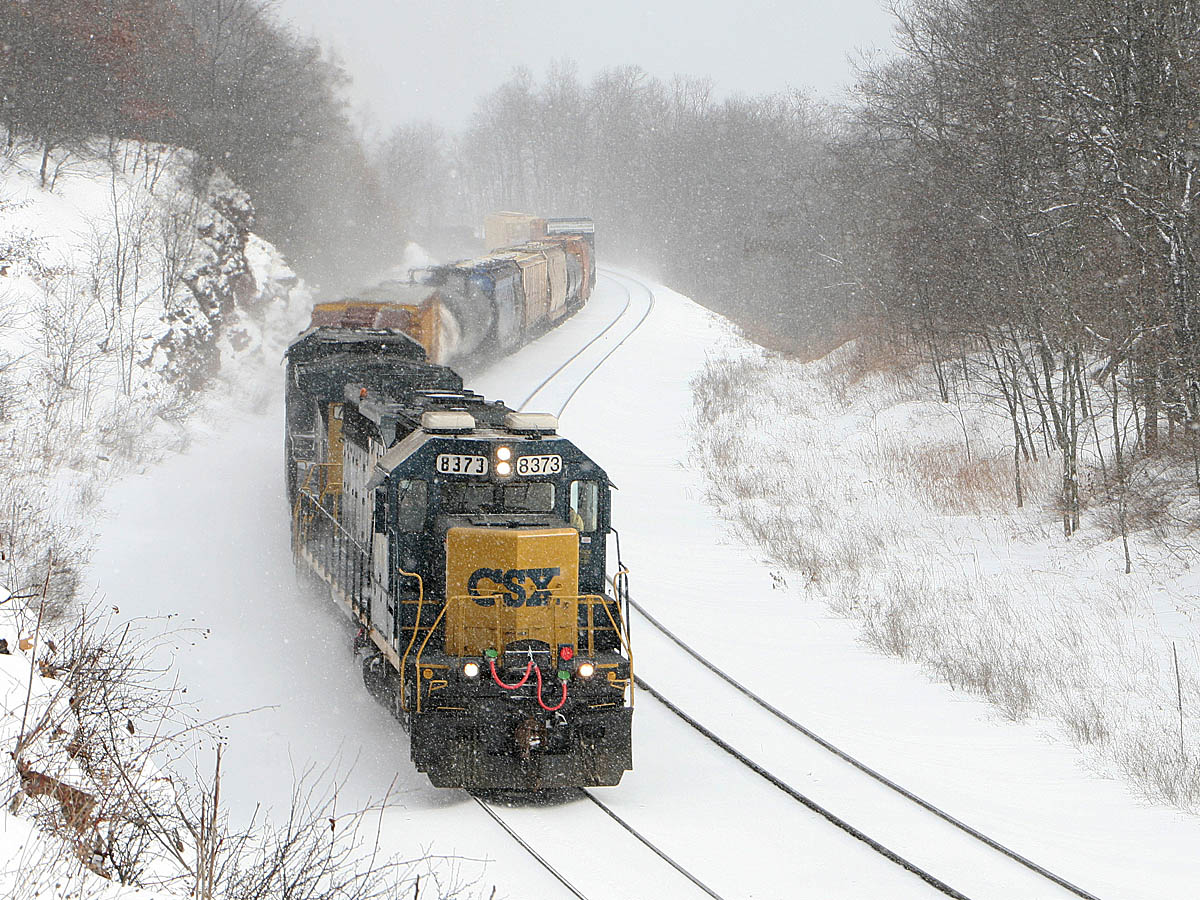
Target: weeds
x: 894, y: 511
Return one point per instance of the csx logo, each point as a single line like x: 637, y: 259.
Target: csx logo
x: 511, y: 585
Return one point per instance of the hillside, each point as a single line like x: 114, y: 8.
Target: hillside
x: 901, y: 512
x: 129, y: 296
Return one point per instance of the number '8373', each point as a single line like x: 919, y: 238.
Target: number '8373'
x: 539, y: 465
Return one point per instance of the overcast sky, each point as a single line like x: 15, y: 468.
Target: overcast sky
x: 431, y: 60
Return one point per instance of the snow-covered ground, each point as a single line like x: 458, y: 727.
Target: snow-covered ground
x: 899, y: 511
x: 203, y: 537
x: 110, y: 274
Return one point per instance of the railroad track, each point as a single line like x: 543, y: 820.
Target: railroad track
x: 1050, y: 878
x: 587, y: 360
x: 575, y: 891
x: 840, y: 754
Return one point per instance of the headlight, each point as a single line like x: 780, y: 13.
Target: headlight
x: 503, y: 468
x: 471, y: 670
x: 503, y: 453
x: 585, y: 670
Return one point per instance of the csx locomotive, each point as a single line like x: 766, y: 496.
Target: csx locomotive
x: 469, y: 543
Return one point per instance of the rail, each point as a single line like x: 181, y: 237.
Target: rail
x: 608, y: 811
x: 837, y: 752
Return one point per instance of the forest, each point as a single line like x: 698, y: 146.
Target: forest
x: 1008, y: 195
x: 226, y: 79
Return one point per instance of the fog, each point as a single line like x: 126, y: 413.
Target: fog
x: 431, y: 61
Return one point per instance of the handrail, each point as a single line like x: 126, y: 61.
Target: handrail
x: 421, y: 649
x: 591, y: 601
x: 572, y: 627
x: 412, y: 638
x: 344, y: 537
x: 332, y: 519
x: 300, y: 495
x: 626, y: 645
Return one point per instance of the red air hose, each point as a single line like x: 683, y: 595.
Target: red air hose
x: 525, y: 678
x: 513, y: 687
x: 539, y: 695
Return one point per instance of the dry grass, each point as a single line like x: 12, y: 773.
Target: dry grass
x: 825, y: 470
x: 945, y: 477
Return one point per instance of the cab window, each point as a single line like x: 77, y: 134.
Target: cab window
x: 530, y: 496
x: 410, y: 502
x: 466, y: 497
x: 585, y: 505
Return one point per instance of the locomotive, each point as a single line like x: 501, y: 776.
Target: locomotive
x: 468, y: 541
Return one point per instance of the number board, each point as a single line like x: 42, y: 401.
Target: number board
x: 458, y: 464
x: 539, y: 465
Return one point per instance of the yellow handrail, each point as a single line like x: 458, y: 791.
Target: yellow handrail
x: 628, y: 649
x: 591, y: 600
x: 557, y: 630
x: 412, y: 638
x: 300, y: 495
x: 420, y: 650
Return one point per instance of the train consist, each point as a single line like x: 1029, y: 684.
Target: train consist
x: 536, y: 272
x: 467, y: 540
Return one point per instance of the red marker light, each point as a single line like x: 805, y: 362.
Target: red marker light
x: 565, y: 652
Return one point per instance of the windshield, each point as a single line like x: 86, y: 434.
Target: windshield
x: 473, y: 497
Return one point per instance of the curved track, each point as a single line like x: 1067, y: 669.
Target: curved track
x: 575, y: 371
x: 564, y: 382
x: 559, y: 388
x: 848, y: 759
x: 578, y: 353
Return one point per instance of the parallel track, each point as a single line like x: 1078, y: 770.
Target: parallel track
x: 845, y: 757
x: 742, y: 759
x: 525, y: 845
x: 578, y: 353
x: 562, y: 879
x: 582, y: 350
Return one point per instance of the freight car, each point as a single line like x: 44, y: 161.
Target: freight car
x: 491, y: 304
x: 468, y: 541
x: 544, y: 271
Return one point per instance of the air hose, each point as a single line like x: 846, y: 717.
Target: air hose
x: 524, y: 678
x: 513, y: 687
x: 539, y: 695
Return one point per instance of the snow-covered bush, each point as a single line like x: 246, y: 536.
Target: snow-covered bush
x: 901, y: 512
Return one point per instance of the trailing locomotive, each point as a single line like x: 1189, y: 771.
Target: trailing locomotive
x: 469, y: 543
x: 536, y: 272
